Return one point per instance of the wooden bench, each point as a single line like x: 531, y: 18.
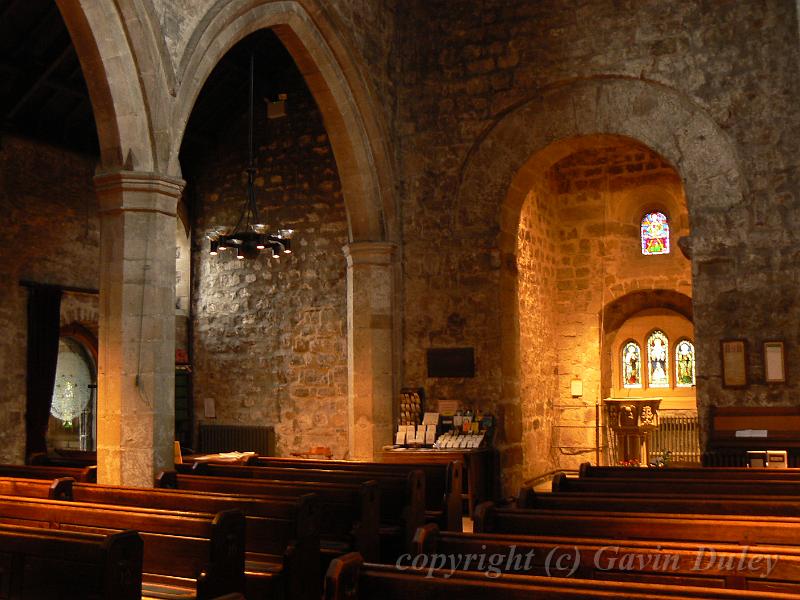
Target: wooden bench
x: 349, y: 578
x: 349, y: 512
x: 701, y: 529
x: 587, y: 470
x: 185, y: 554
x: 402, y: 497
x: 741, y: 487
x: 759, y: 568
x: 38, y: 563
x: 660, y: 503
x: 83, y: 474
x: 443, y: 482
x: 282, y: 534
x: 726, y: 449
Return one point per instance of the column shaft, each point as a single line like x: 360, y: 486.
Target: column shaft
x: 370, y: 291
x: 136, y: 362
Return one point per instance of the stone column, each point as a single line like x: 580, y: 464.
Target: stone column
x: 370, y: 290
x: 136, y: 362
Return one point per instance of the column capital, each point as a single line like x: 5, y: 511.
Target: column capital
x: 138, y: 191
x: 369, y: 253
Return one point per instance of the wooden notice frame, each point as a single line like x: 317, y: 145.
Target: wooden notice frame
x: 734, y: 363
x: 774, y: 361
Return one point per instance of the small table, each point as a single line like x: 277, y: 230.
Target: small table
x: 478, y: 481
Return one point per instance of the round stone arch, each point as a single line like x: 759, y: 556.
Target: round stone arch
x: 113, y: 69
x: 512, y: 155
x: 331, y: 73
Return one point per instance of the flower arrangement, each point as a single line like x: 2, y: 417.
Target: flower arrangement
x: 631, y: 462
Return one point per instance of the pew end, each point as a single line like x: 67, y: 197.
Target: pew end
x: 61, y: 488
x: 483, y: 519
x: 227, y: 551
x: 453, y: 502
x: 341, y: 579
x: 365, y: 531
x: 559, y: 483
x: 526, y: 498
x: 167, y: 480
x: 425, y: 539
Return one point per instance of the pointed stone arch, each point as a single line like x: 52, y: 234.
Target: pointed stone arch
x: 126, y: 76
x: 511, y: 156
x: 350, y: 116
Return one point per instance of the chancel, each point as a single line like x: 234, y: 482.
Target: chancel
x: 299, y: 294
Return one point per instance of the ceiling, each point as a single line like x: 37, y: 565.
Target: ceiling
x: 43, y: 94
x: 42, y: 91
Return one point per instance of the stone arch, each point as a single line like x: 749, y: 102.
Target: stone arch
x: 117, y: 59
x: 511, y: 156
x: 330, y: 71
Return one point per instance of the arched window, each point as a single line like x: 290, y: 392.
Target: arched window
x: 658, y: 360
x: 631, y: 365
x: 684, y: 364
x: 655, y: 234
x: 72, y: 403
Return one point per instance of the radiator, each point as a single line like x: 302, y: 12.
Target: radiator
x: 236, y: 438
x: 679, y: 435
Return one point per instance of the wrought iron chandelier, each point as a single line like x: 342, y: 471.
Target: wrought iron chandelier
x: 249, y: 238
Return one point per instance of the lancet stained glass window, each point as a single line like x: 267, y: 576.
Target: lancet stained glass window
x: 684, y: 364
x: 658, y: 360
x: 631, y: 365
x: 655, y: 234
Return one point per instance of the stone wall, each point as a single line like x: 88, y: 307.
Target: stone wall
x: 269, y: 336
x: 51, y: 236
x: 537, y: 265
x: 464, y: 67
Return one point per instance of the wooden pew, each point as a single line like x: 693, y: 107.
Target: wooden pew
x: 587, y: 470
x: 183, y: 551
x: 349, y: 578
x: 762, y: 568
x: 39, y: 564
x: 742, y: 487
x: 82, y: 474
x: 350, y: 512
x: 667, y: 503
x: 443, y: 482
x: 282, y: 534
x: 402, y: 498
x: 781, y: 425
x: 698, y: 528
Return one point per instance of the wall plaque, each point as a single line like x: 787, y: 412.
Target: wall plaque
x: 734, y: 363
x: 451, y: 362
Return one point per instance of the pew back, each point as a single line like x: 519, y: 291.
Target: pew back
x: 350, y: 512
x: 202, y: 547
x: 349, y: 578
x: 37, y: 563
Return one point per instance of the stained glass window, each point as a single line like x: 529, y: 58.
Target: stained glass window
x: 684, y: 364
x: 631, y: 365
x: 655, y: 234
x: 658, y: 360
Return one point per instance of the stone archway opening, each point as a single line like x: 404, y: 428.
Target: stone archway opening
x: 578, y: 249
